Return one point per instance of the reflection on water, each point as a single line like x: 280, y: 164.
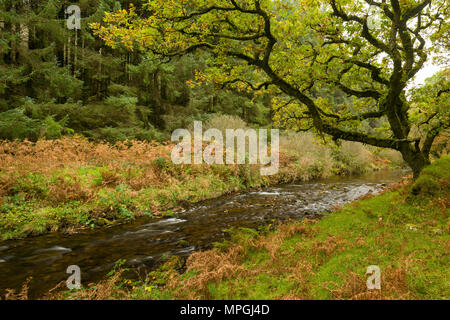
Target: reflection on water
x: 146, y: 243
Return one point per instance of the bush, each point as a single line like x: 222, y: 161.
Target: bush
x: 433, y: 178
x: 224, y: 122
x: 55, y: 129
x: 352, y: 158
x: 439, y: 169
x: 313, y: 158
x: 301, y: 144
x: 394, y: 157
x: 14, y: 124
x: 359, y: 156
x: 425, y: 185
x: 108, y: 134
x: 115, y: 89
x: 112, y: 135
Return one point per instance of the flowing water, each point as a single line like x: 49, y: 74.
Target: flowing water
x: 146, y: 243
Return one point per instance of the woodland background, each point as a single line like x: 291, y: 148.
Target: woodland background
x: 55, y: 81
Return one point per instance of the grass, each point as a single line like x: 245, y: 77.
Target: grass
x: 72, y: 184
x: 405, y: 231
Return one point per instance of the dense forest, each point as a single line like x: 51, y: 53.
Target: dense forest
x: 57, y: 81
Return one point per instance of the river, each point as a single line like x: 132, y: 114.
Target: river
x: 147, y: 242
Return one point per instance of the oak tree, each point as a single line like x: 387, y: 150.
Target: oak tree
x: 306, y: 52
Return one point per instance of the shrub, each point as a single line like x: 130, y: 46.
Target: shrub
x: 161, y: 163
x: 425, y: 185
x: 311, y: 155
x: 440, y: 168
x: 55, y: 129
x: 433, y: 178
x: 301, y: 144
x: 108, y: 134
x: 360, y: 158
x: 14, y: 124
x: 224, y: 122
x: 394, y: 156
x: 352, y: 157
x: 115, y: 89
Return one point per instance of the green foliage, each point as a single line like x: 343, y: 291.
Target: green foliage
x: 430, y: 181
x: 55, y: 129
x: 161, y: 163
x: 61, y: 85
x: 118, y: 265
x: 352, y: 158
x: 425, y: 185
x: 14, y: 124
x: 440, y: 169
x: 430, y: 109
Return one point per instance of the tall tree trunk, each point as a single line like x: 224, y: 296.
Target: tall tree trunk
x: 68, y: 50
x: 416, y: 159
x: 75, y: 52
x: 23, y: 28
x: 13, y: 45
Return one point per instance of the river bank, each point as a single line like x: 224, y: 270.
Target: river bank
x: 405, y: 232
x: 71, y: 184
